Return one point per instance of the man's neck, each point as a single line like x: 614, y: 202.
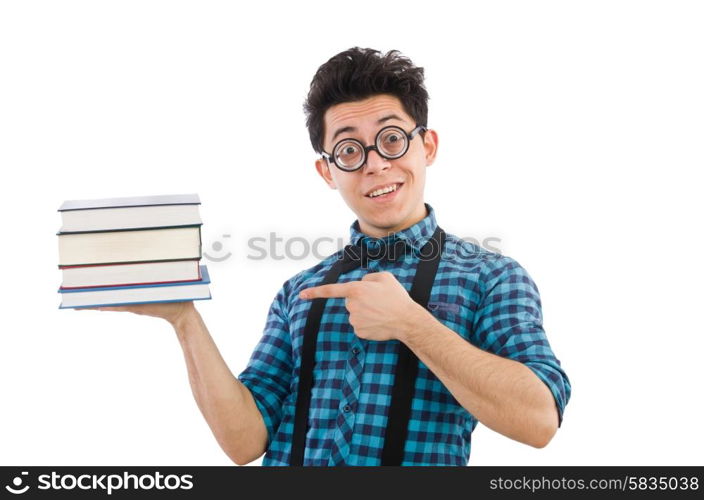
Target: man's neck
x: 381, y: 232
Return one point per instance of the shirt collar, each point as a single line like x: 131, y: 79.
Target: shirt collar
x: 416, y: 235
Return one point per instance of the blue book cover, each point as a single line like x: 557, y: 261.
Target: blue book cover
x: 143, y: 290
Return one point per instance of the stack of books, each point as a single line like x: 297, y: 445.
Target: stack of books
x: 135, y: 250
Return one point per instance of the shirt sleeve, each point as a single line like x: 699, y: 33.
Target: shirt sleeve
x: 509, y: 323
x: 269, y: 370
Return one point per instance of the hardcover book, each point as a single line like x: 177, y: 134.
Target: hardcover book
x: 137, y: 294
x: 134, y: 212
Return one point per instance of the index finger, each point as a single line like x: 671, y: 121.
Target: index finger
x: 330, y: 290
x: 102, y: 308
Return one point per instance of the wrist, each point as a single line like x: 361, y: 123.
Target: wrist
x: 187, y: 313
x: 415, y: 321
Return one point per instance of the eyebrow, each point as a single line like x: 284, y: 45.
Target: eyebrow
x: 354, y: 129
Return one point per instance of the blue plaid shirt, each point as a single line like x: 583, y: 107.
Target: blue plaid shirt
x: 485, y: 297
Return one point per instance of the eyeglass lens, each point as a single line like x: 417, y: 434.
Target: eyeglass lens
x: 391, y: 143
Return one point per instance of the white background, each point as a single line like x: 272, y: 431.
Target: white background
x: 572, y: 131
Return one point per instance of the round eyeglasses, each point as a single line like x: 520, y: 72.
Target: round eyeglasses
x: 391, y: 143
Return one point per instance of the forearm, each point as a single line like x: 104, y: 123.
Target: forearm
x: 503, y: 394
x: 226, y: 404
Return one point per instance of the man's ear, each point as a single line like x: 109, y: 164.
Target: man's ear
x: 430, y: 144
x: 323, y: 168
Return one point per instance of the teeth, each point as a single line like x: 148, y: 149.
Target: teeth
x: 381, y: 191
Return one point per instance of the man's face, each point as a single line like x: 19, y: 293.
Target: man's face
x: 361, y: 120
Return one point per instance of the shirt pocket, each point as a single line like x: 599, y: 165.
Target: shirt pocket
x: 448, y: 307
x: 451, y: 314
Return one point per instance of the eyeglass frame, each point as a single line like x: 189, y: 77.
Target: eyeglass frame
x: 373, y: 147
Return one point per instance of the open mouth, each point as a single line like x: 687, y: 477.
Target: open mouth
x: 385, y: 192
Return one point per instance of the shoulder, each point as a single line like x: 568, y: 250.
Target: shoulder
x: 490, y: 268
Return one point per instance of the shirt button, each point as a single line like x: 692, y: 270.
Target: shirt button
x: 355, y: 350
x: 347, y: 408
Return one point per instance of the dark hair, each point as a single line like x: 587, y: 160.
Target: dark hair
x: 356, y: 74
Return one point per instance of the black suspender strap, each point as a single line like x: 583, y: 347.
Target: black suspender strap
x: 305, y: 378
x: 407, y: 364
x: 406, y: 367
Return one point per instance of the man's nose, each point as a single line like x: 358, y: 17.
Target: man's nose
x: 375, y: 162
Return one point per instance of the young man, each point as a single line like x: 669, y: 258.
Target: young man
x: 390, y: 351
